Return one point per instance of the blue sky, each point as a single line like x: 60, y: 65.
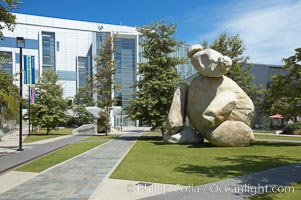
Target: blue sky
x: 271, y: 29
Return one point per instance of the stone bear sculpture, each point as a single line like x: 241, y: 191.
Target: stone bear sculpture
x: 216, y: 107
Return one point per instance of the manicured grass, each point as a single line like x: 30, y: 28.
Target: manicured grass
x: 43, y: 136
x: 287, y: 195
x: 151, y: 160
x: 65, y: 153
x: 277, y: 137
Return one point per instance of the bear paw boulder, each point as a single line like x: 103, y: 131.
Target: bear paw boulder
x: 186, y: 135
x: 231, y: 134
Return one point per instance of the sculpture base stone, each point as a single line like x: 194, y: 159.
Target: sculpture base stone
x: 187, y: 135
x: 231, y: 134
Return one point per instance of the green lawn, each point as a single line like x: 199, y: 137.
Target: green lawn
x: 43, y: 136
x: 277, y: 137
x: 295, y: 195
x: 65, y: 153
x: 151, y: 160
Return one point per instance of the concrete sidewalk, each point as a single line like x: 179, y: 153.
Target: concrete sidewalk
x: 79, y: 177
x: 31, y: 151
x: 10, y: 142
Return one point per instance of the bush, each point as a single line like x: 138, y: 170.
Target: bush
x: 291, y: 128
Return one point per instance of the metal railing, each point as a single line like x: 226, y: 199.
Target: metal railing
x: 86, y: 129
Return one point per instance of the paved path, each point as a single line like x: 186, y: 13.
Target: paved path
x: 239, y: 187
x: 11, y: 160
x: 77, y: 178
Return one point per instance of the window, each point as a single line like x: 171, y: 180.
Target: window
x: 6, y: 62
x: 84, y: 70
x: 125, y: 57
x: 99, y: 41
x: 48, y: 50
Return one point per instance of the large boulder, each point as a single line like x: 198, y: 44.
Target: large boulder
x: 177, y: 112
x: 209, y: 62
x: 186, y: 135
x: 231, y: 134
x: 204, y: 103
x: 217, y: 108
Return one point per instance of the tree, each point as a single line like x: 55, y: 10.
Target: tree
x: 284, y: 94
x: 82, y: 99
x: 50, y: 109
x: 233, y: 47
x: 159, y: 75
x: 105, y: 81
x: 9, y: 97
x: 5, y: 16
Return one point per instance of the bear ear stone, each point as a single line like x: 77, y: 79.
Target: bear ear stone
x: 193, y: 49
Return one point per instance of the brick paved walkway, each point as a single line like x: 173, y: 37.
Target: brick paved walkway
x: 77, y: 178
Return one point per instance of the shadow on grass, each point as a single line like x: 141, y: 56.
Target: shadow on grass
x: 274, y: 144
x: 128, y: 138
x: 237, y: 165
x: 151, y: 138
x: 157, y: 140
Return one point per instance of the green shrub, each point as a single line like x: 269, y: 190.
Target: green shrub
x: 290, y: 128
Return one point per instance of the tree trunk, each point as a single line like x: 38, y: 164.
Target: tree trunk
x: 295, y: 118
x: 48, y: 130
x: 162, y: 132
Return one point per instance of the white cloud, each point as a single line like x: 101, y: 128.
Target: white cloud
x: 271, y: 30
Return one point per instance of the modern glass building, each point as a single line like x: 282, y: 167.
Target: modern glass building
x: 69, y: 48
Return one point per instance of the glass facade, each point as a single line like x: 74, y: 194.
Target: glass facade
x: 125, y: 57
x: 66, y: 75
x: 185, y: 70
x: 84, y: 70
x: 6, y: 62
x: 48, y: 51
x: 100, y: 37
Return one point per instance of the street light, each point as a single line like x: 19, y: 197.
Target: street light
x: 20, y: 45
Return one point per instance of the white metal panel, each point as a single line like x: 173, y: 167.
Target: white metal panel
x: 69, y: 88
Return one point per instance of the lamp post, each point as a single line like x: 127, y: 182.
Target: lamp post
x: 20, y: 45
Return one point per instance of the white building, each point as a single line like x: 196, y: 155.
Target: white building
x: 69, y: 48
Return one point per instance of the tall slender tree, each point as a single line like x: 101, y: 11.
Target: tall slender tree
x: 158, y: 75
x: 105, y: 81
